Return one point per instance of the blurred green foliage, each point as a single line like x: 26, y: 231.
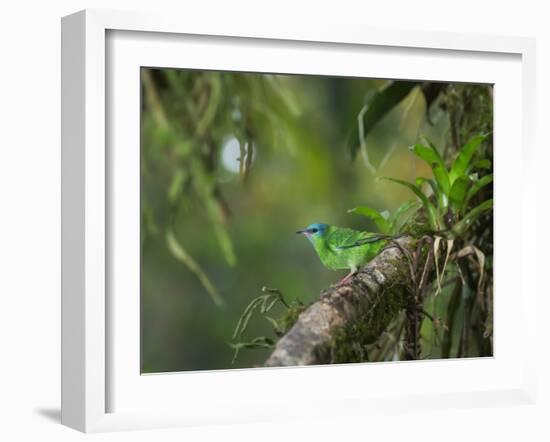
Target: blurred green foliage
x: 232, y: 164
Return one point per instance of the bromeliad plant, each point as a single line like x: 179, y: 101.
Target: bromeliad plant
x: 452, y: 203
x: 388, y: 223
x: 449, y: 212
x: 452, y: 189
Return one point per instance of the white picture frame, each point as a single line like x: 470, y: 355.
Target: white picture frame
x: 93, y: 335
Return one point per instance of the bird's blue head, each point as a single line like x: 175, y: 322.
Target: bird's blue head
x: 314, y: 231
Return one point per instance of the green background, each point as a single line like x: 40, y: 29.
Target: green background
x: 301, y: 172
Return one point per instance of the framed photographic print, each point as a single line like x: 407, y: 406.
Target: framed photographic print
x: 263, y: 223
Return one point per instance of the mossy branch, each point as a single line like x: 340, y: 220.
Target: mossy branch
x: 339, y: 326
x: 351, y: 315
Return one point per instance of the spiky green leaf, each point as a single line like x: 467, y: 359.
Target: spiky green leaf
x: 482, y: 164
x: 477, y: 185
x: 465, y: 223
x: 433, y: 217
x: 382, y: 223
x: 459, y: 191
x: 441, y: 198
x: 433, y: 158
x: 400, y: 211
x: 462, y: 161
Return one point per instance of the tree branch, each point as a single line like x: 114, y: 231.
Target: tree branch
x: 352, y: 315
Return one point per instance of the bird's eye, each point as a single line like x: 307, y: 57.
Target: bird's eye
x: 314, y: 230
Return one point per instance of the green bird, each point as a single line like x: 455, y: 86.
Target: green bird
x: 343, y: 248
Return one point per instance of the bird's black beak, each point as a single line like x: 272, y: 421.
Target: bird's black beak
x: 301, y: 231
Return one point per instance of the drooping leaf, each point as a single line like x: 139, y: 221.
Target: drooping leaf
x: 463, y: 225
x: 204, y: 184
x: 382, y: 223
x: 380, y: 104
x: 437, y: 241
x: 480, y: 257
x: 179, y: 252
x: 449, y: 247
x: 462, y: 161
x: 430, y: 208
x: 220, y: 230
x: 440, y: 274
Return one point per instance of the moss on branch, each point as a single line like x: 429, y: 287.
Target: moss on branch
x: 347, y: 318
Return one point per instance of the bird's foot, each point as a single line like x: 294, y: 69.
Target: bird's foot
x: 346, y: 279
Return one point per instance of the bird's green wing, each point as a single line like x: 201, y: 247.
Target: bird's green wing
x: 348, y: 238
x: 342, y: 238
